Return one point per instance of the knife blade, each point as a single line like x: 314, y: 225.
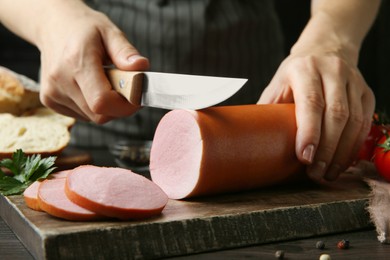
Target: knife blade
x: 172, y: 91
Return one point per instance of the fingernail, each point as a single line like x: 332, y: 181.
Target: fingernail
x: 308, y: 153
x: 132, y: 59
x: 317, y: 170
x: 333, y: 172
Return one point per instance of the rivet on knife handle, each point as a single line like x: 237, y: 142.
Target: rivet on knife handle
x: 127, y: 83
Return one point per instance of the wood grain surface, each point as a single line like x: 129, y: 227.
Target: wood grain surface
x: 198, y: 225
x: 363, y: 245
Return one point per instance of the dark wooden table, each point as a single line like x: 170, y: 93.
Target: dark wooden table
x: 363, y: 243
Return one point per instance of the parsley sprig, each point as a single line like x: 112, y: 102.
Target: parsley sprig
x: 24, y: 171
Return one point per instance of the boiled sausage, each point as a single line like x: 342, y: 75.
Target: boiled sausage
x: 224, y: 149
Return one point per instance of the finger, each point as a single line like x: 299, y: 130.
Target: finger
x: 349, y: 135
x: 334, y: 120
x: 51, y: 96
x: 69, y: 112
x: 268, y: 96
x: 78, y: 114
x: 368, y: 101
x: 122, y: 54
x: 309, y: 106
x: 79, y: 107
x: 278, y: 90
x: 276, y: 94
x: 71, y: 103
x: 96, y: 89
x: 98, y: 96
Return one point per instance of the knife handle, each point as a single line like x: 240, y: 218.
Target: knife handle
x: 127, y: 83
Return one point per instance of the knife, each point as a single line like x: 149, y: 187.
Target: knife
x: 172, y: 91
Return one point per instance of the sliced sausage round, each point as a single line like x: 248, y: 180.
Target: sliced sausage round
x: 30, y: 195
x: 53, y: 200
x: 115, y: 192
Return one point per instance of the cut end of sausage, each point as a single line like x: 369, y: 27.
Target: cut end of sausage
x: 53, y: 200
x: 115, y: 192
x: 176, y: 153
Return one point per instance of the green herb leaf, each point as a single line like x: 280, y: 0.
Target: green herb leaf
x: 25, y: 170
x: 11, y: 186
x: 7, y: 182
x: 15, y: 164
x: 16, y: 190
x: 44, y: 167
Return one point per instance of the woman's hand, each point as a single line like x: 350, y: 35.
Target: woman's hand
x: 334, y: 107
x: 75, y: 43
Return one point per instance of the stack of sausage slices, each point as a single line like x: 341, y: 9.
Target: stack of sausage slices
x: 88, y: 193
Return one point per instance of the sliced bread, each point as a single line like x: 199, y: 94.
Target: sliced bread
x: 25, y: 123
x: 40, y: 131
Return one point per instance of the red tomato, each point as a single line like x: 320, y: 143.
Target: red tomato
x: 366, y: 152
x: 382, y: 157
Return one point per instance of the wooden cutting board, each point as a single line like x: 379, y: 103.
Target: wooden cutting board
x: 197, y: 225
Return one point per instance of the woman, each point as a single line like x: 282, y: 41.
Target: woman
x: 233, y: 38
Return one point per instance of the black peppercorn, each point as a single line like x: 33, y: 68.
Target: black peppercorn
x: 320, y: 245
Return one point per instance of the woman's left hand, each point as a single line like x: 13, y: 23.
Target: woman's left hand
x: 334, y: 107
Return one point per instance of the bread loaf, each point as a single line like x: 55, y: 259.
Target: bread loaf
x: 40, y: 131
x: 17, y: 93
x: 49, y: 115
x: 24, y: 123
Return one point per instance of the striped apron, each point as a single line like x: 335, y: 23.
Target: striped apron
x: 233, y: 38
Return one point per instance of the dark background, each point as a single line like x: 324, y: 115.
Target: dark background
x: 374, y: 62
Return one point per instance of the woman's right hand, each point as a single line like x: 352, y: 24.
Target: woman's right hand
x: 75, y: 42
